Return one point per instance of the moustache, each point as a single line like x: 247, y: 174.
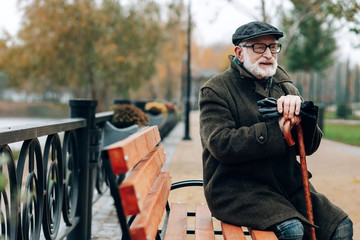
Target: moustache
x: 266, y: 61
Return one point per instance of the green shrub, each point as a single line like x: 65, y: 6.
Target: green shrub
x: 343, y: 110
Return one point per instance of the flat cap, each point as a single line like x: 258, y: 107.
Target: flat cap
x: 253, y: 30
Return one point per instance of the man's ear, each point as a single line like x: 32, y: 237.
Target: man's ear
x: 239, y: 53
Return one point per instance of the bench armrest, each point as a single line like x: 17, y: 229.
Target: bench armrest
x: 187, y: 183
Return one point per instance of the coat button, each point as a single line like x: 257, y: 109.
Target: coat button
x: 261, y: 138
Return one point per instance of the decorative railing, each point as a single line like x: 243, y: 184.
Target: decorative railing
x: 50, y: 189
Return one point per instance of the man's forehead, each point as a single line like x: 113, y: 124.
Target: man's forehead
x: 262, y: 39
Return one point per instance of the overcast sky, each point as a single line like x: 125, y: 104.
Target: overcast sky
x: 9, y: 16
x: 215, y: 21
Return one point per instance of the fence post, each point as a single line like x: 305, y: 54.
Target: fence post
x: 81, y: 108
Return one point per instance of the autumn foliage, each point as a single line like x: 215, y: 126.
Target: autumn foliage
x: 102, y: 50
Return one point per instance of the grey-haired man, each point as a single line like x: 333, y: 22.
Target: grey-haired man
x: 251, y: 176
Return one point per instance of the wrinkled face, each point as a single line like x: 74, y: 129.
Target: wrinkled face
x: 261, y: 65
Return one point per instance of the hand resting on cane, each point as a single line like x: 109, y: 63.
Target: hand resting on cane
x: 289, y: 107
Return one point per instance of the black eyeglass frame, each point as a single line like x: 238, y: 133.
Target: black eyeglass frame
x: 266, y: 46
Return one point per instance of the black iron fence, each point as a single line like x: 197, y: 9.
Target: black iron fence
x: 50, y: 190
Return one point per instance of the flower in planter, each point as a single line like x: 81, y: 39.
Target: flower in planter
x: 126, y: 115
x: 170, y: 106
x: 156, y: 108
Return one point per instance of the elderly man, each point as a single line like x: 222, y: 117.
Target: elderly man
x: 251, y: 176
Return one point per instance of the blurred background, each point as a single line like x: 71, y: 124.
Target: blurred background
x: 55, y: 50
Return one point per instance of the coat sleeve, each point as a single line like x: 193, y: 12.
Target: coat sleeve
x: 312, y: 135
x: 231, y: 144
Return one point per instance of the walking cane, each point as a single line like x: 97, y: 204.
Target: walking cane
x: 290, y: 141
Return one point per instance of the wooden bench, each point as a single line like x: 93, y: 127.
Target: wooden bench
x: 140, y: 191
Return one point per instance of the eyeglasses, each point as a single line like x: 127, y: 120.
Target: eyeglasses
x: 261, y: 47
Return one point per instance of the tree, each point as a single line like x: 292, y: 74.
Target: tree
x: 349, y: 10
x: 357, y: 85
x: 129, y: 46
x: 94, y: 49
x: 165, y: 83
x: 339, y: 86
x: 327, y: 10
x: 312, y: 46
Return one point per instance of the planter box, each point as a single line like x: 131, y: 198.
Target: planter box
x: 112, y: 134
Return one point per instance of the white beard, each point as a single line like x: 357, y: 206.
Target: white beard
x: 255, y: 68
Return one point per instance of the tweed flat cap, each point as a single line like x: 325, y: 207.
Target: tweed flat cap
x: 253, y: 30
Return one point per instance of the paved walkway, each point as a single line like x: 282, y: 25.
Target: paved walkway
x: 335, y: 168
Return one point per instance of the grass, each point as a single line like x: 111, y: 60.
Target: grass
x: 344, y: 133
x: 332, y: 115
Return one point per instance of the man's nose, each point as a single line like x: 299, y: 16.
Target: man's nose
x: 267, y: 53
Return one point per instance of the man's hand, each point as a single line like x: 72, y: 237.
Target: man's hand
x: 289, y: 106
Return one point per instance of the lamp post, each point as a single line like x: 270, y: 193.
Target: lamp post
x: 188, y: 83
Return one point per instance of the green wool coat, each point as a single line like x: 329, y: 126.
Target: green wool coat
x: 251, y: 176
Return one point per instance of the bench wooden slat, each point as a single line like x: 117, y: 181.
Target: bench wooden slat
x: 204, y: 229
x: 137, y: 185
x: 145, y: 225
x: 232, y: 232
x: 126, y: 153
x: 177, y: 224
x: 262, y: 235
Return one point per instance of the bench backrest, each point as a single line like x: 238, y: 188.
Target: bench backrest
x: 134, y: 173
